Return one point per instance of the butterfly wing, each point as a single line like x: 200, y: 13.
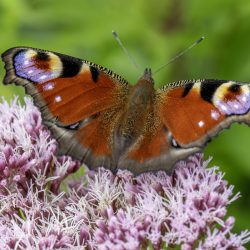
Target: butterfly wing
x: 82, y: 104
x: 187, y: 115
x: 79, y: 100
x: 199, y: 110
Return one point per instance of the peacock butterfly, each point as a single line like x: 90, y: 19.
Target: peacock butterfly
x: 101, y: 120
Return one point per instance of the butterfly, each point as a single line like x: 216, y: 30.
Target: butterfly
x: 97, y: 117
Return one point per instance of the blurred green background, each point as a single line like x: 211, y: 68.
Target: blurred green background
x: 153, y: 31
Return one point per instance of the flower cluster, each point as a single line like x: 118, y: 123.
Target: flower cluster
x: 27, y: 151
x: 42, y: 207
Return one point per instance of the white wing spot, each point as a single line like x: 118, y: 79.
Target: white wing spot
x: 244, y: 98
x: 30, y: 71
x: 42, y: 77
x: 174, y: 143
x: 58, y: 98
x: 49, y: 86
x: 201, y: 123
x: 223, y: 107
x: 214, y: 114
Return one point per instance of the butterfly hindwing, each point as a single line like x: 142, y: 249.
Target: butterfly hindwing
x: 153, y: 151
x: 74, y: 97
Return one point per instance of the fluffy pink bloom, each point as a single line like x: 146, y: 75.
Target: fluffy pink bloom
x: 42, y: 209
x: 27, y: 151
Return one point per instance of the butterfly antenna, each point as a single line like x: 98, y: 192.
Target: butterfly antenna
x: 124, y: 49
x: 180, y: 54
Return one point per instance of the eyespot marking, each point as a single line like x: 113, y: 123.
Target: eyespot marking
x: 36, y: 66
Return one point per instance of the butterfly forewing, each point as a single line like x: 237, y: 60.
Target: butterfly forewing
x: 199, y: 110
x: 74, y: 97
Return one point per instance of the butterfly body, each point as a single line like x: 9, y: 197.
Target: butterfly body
x: 138, y: 116
x: 139, y: 105
x: 101, y: 120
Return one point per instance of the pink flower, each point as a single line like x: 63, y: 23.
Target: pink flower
x: 27, y: 150
x: 40, y: 208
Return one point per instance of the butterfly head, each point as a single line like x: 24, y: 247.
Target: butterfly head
x: 147, y: 77
x: 143, y: 91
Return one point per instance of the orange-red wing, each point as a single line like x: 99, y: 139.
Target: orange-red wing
x: 197, y: 111
x: 73, y: 96
x: 186, y: 116
x: 149, y: 146
x: 153, y: 151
